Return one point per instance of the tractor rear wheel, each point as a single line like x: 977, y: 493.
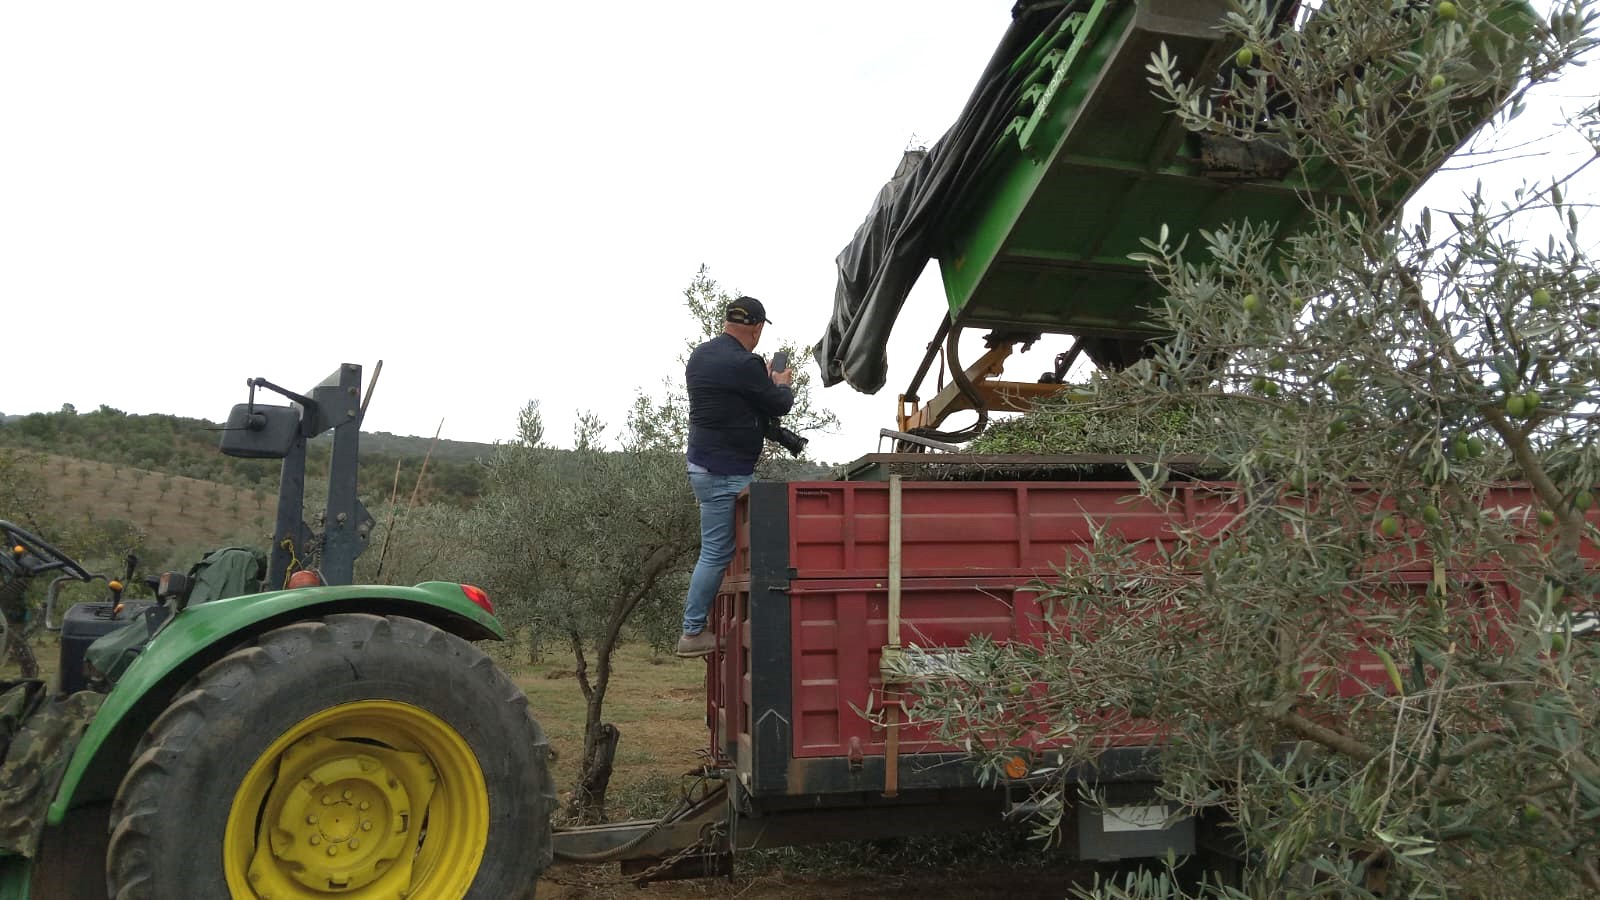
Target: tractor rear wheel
x: 351, y: 756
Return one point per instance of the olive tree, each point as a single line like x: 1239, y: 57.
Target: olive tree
x: 588, y: 547
x: 1403, y: 417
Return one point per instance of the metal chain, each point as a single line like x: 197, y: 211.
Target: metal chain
x: 637, y: 879
x: 709, y: 835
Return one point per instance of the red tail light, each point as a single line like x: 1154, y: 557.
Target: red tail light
x: 479, y: 596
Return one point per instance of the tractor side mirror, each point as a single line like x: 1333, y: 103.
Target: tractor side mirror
x: 258, y: 431
x: 174, y: 587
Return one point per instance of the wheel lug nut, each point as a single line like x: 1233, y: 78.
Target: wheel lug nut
x: 311, y: 820
x: 316, y: 839
x: 347, y: 795
x: 327, y: 801
x: 354, y: 843
x: 333, y: 851
x: 366, y: 825
x: 365, y: 805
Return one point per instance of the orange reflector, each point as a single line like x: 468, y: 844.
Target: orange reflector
x: 18, y: 550
x: 303, y: 579
x: 116, y: 610
x: 1016, y: 767
x: 479, y: 596
x: 114, y: 584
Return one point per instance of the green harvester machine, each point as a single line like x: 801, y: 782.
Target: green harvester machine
x: 1063, y: 160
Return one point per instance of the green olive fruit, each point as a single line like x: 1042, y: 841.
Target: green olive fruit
x: 1541, y: 299
x: 1477, y: 447
x: 1251, y: 303
x: 1430, y: 514
x: 1389, y: 526
x: 1516, y: 406
x: 1546, y: 518
x: 1530, y: 400
x: 1245, y: 57
x: 1436, y: 83
x: 1342, y: 380
x: 1583, y: 501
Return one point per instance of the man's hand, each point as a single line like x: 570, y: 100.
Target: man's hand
x: 785, y: 378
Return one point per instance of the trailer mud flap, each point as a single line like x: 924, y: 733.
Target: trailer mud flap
x: 42, y: 736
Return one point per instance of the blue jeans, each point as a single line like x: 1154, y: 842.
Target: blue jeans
x: 716, y: 494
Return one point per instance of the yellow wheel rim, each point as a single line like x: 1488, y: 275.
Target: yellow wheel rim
x: 364, y: 800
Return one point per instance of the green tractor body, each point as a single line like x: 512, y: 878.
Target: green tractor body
x: 202, y: 634
x: 237, y: 740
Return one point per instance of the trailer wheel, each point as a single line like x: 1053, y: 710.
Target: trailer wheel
x: 352, y: 756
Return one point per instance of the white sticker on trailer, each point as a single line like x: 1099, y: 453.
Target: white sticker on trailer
x: 1134, y: 818
x: 932, y: 662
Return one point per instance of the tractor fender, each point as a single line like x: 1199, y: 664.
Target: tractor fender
x: 203, y: 634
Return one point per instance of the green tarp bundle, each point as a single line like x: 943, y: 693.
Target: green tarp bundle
x: 229, y: 572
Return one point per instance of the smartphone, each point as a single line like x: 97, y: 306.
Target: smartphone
x: 780, y: 361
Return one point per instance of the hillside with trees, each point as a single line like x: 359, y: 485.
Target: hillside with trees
x: 187, y: 448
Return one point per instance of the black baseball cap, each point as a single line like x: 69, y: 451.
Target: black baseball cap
x: 747, y: 311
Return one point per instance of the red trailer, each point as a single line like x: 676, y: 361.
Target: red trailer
x: 806, y: 740
x: 829, y: 577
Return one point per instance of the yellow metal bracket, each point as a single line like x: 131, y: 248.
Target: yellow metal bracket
x: 996, y: 395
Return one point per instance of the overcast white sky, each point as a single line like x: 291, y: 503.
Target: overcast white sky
x: 503, y: 201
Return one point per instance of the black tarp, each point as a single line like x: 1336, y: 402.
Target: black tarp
x: 894, y: 244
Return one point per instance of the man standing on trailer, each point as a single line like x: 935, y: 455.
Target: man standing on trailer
x: 733, y: 393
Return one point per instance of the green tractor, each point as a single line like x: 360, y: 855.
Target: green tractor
x: 248, y: 737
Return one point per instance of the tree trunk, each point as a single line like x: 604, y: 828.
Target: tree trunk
x: 588, y: 805
x: 594, y: 777
x: 600, y: 739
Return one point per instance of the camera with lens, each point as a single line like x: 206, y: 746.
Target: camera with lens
x: 784, y: 437
x: 775, y: 432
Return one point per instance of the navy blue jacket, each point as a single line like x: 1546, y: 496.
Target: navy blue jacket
x: 731, y: 397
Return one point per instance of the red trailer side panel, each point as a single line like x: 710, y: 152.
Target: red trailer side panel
x: 803, y: 613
